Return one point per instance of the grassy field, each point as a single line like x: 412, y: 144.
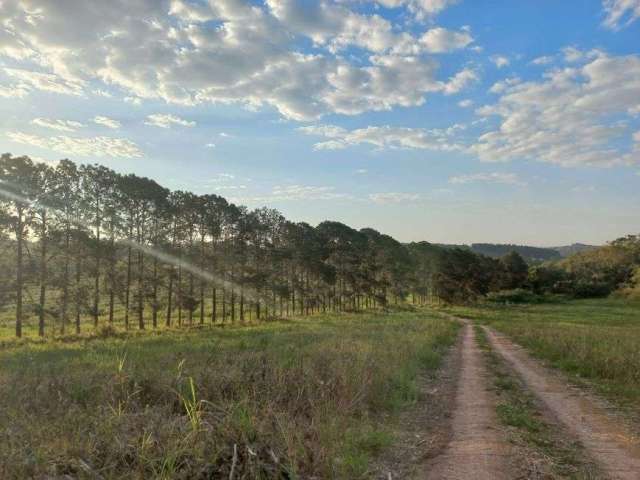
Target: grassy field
x: 297, y: 399
x: 597, y: 339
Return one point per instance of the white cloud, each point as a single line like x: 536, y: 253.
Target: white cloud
x: 232, y: 51
x: 459, y: 81
x: 102, y: 93
x: 167, y: 120
x: 305, y: 192
x: 394, y: 197
x: 575, y: 55
x: 544, y: 60
x: 495, y: 177
x: 441, y: 40
x: 620, y: 13
x: 421, y: 8
x: 60, y: 125
x: 384, y: 137
x: 78, y: 146
x: 502, y: 85
x: 44, y: 81
x: 287, y: 193
x: 133, y: 100
x: 362, y: 171
x: 107, y: 122
x: 565, y: 118
x: 221, y: 188
x: 14, y: 91
x: 465, y: 103
x: 221, y: 178
x: 499, y: 60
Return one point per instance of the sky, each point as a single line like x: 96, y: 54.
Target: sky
x: 451, y: 121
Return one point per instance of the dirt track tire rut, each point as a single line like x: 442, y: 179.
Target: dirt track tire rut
x: 477, y: 449
x: 605, y: 439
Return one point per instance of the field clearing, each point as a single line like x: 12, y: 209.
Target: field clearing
x: 597, y: 340
x: 274, y: 400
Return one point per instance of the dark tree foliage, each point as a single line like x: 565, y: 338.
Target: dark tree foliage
x: 87, y: 244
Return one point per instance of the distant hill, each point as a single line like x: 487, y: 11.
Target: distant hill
x: 569, y: 250
x: 530, y: 254
x: 497, y: 250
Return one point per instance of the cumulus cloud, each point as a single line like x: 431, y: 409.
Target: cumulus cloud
x: 441, y: 40
x: 106, y: 122
x: 421, y: 8
x: 499, y: 61
x: 502, y: 85
x: 494, y: 177
x: 78, y: 146
x: 60, y: 125
x: 620, y: 13
x: 565, y: 118
x: 466, y: 103
x: 384, y: 137
x: 167, y: 121
x: 232, y: 51
x: 575, y: 55
x: 460, y: 81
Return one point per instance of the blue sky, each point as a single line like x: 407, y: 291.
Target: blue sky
x: 452, y: 121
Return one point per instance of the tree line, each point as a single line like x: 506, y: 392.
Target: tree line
x: 85, y: 243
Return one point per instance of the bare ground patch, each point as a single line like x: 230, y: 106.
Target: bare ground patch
x: 424, y: 430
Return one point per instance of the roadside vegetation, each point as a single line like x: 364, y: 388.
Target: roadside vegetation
x: 288, y: 399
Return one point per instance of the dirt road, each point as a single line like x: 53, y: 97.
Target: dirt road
x: 605, y: 439
x: 477, y: 449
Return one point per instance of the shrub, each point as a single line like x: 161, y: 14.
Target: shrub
x: 518, y: 295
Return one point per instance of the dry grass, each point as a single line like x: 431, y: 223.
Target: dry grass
x: 298, y: 399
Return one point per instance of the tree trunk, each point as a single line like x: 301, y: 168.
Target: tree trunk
x: 112, y: 274
x: 78, y: 278
x: 43, y: 272
x: 140, y: 291
x: 154, y: 313
x: 169, y: 297
x: 96, y: 300
x: 19, y: 281
x: 127, y: 289
x: 213, y: 305
x: 180, y: 294
x: 65, y: 279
